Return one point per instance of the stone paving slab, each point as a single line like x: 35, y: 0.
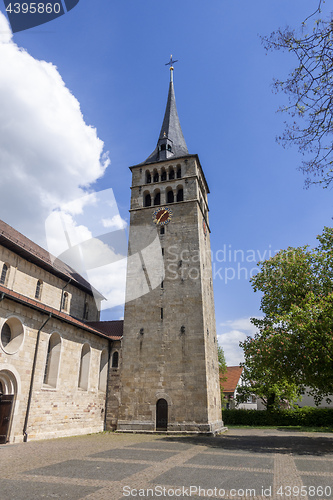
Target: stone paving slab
x: 88, y: 469
x: 221, y: 459
x: 163, y: 444
x: 34, y: 491
x: 134, y: 454
x: 323, y: 465
x: 211, y: 478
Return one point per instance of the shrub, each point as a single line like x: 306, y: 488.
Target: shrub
x: 306, y: 416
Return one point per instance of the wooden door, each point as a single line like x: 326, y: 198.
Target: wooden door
x: 6, y: 405
x: 161, y: 415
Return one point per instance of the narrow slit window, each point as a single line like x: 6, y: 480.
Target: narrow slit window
x: 4, y: 272
x: 38, y: 291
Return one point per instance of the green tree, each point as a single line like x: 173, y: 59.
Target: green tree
x: 222, y: 370
x: 310, y: 90
x: 293, y: 346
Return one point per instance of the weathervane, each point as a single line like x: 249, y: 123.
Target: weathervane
x: 170, y: 63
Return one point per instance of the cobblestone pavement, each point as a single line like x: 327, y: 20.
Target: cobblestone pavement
x: 242, y: 463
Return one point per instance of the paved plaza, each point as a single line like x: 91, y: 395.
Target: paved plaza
x: 242, y: 463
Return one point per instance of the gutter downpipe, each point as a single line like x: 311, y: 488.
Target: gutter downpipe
x: 25, y: 435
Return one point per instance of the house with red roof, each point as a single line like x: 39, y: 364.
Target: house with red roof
x: 230, y: 381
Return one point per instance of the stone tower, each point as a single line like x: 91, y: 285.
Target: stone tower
x: 169, y: 378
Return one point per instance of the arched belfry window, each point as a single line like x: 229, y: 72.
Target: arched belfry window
x: 163, y: 175
x: 157, y: 198
x: 179, y: 172
x: 148, y: 177
x: 4, y: 275
x: 171, y: 174
x: 156, y: 177
x: 147, y: 200
x: 170, y: 196
x: 180, y: 194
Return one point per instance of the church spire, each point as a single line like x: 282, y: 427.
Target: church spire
x: 171, y: 142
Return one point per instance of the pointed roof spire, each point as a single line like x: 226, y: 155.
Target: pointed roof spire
x: 171, y: 142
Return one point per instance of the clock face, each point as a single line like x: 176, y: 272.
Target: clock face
x: 162, y: 216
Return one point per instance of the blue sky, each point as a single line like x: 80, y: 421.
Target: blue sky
x: 111, y: 57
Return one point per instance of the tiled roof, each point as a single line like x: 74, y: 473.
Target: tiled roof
x: 35, y: 304
x: 113, y: 329
x: 20, y: 244
x: 232, y: 377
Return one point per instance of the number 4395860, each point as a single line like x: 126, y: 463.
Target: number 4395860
x: 33, y: 8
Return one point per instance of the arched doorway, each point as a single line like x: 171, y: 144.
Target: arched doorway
x: 161, y: 415
x: 7, y: 397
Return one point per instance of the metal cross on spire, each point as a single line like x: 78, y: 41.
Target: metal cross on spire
x: 170, y: 63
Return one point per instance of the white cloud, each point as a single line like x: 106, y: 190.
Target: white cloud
x: 48, y: 154
x: 233, y: 332
x: 5, y: 31
x: 115, y: 222
x: 110, y: 281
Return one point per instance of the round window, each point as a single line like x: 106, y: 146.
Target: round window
x: 12, y: 335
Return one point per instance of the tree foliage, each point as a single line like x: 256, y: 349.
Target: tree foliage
x: 310, y: 90
x: 293, y: 347
x: 222, y: 371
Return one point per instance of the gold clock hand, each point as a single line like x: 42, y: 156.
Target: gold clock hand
x: 158, y: 220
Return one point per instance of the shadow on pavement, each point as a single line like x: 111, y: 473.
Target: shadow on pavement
x: 295, y: 445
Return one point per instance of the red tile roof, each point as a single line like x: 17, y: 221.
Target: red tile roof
x: 22, y: 299
x: 15, y: 241
x: 232, y: 377
x: 112, y: 329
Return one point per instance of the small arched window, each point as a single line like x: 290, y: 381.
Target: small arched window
x: 180, y: 194
x: 4, y: 275
x: 171, y: 174
x: 52, y: 360
x: 103, y: 371
x: 170, y: 196
x: 115, y: 359
x: 163, y: 175
x: 64, y: 304
x: 38, y: 292
x: 157, y: 198
x: 162, y: 230
x: 84, y: 367
x: 147, y: 200
x: 148, y: 177
x: 179, y: 173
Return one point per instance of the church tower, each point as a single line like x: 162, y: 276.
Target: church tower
x: 169, y: 378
